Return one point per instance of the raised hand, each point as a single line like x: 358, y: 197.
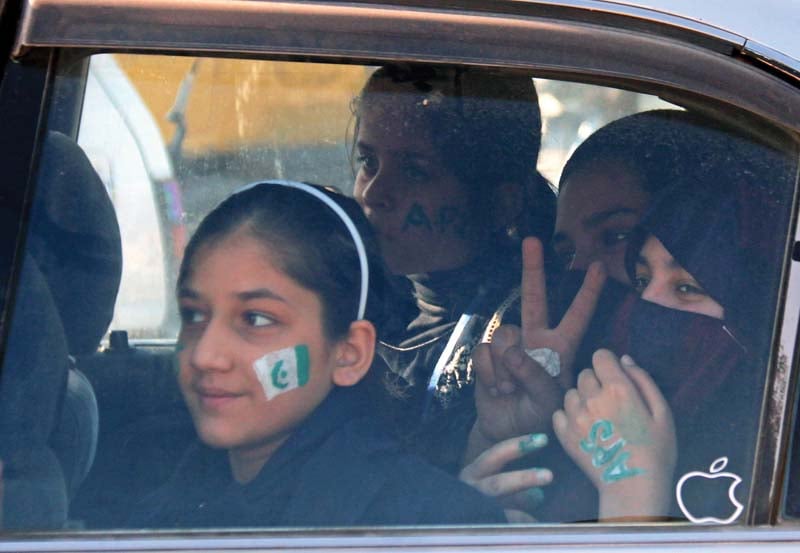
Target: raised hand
x: 514, y: 394
x: 518, y: 491
x: 618, y: 428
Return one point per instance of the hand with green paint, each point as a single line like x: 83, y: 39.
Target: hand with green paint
x: 618, y: 428
x: 518, y: 491
x: 514, y: 394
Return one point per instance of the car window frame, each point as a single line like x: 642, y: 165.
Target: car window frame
x: 763, y: 507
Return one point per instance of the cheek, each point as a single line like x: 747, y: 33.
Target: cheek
x: 708, y: 307
x: 615, y: 265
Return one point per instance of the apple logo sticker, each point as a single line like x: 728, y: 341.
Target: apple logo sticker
x: 713, y: 478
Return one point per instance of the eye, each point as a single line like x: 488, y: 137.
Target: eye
x: 367, y: 163
x: 690, y: 289
x: 565, y: 251
x: 256, y: 319
x: 192, y: 316
x: 641, y: 281
x: 566, y: 257
x: 613, y: 237
x: 415, y: 173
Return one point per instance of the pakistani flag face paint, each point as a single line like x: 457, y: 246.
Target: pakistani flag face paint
x: 283, y: 370
x: 249, y: 334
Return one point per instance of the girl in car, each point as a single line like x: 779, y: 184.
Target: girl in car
x: 446, y: 174
x: 703, y: 261
x: 280, y: 293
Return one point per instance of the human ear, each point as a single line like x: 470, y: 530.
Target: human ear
x: 354, y: 354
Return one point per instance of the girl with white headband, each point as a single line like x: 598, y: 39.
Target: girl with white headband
x: 279, y: 292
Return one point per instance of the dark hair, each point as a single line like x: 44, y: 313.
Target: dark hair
x: 723, y: 220
x: 657, y: 146
x: 312, y: 245
x: 485, y: 125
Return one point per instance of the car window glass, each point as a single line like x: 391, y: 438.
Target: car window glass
x: 646, y: 286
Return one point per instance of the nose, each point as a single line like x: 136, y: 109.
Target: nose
x: 375, y: 192
x: 659, y: 292
x: 211, y: 350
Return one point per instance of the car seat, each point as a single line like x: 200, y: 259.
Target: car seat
x: 32, y: 387
x: 75, y: 241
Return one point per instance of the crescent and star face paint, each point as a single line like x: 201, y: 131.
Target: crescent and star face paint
x: 283, y: 370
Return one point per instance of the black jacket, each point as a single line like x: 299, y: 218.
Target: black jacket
x: 336, y: 469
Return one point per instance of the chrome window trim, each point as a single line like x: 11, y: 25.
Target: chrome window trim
x: 360, y: 31
x: 600, y: 538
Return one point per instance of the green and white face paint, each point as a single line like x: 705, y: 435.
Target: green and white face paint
x: 283, y: 370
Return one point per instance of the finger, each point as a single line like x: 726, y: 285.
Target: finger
x: 515, y: 516
x: 572, y: 403
x: 525, y: 500
x: 576, y: 319
x: 653, y: 398
x: 533, y: 291
x: 561, y: 428
x: 499, y: 455
x: 530, y: 375
x: 588, y: 385
x: 484, y: 368
x: 504, y: 337
x: 610, y: 373
x: 507, y: 483
x: 607, y: 368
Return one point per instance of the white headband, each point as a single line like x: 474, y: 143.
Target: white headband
x: 348, y: 222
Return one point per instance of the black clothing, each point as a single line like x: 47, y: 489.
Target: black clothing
x: 437, y: 426
x: 336, y: 469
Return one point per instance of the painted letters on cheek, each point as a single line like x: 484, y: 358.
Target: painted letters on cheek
x: 283, y: 370
x: 417, y: 218
x: 447, y: 218
x: 612, y: 457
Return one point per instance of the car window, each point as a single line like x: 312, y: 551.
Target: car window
x: 622, y: 256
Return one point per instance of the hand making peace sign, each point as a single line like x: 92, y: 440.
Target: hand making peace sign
x: 514, y: 394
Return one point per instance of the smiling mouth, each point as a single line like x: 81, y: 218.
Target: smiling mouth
x: 214, y: 398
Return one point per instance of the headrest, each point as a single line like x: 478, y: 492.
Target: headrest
x: 75, y: 241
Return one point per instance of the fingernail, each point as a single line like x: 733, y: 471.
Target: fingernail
x: 532, y: 442
x: 543, y: 475
x: 535, y: 496
x: 627, y: 360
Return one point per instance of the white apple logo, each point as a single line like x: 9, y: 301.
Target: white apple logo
x: 714, y: 472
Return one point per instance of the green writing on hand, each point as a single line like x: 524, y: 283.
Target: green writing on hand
x: 612, y: 455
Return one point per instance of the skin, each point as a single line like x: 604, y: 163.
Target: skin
x: 598, y: 207
x: 661, y: 279
x: 417, y: 206
x: 236, y: 305
x: 513, y: 393
x: 516, y: 490
x: 618, y: 396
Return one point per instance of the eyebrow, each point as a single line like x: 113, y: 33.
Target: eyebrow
x: 258, y: 293
x: 188, y: 293
x: 673, y: 264
x: 361, y: 145
x: 603, y: 216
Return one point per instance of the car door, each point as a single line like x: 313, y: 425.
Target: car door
x: 264, y: 90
